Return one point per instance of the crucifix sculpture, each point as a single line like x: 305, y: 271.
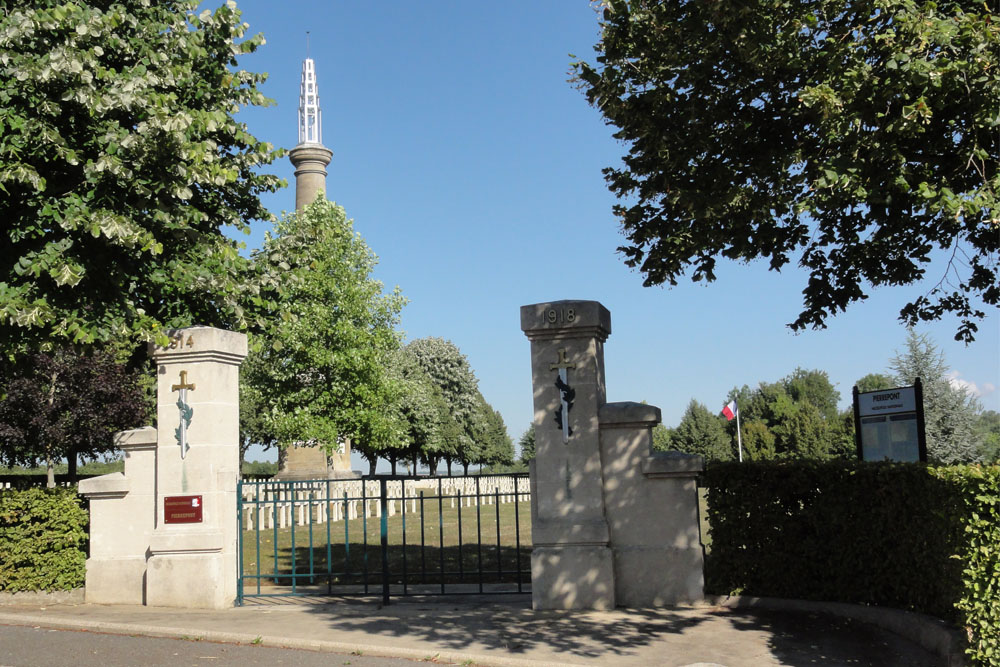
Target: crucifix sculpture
x: 185, y: 412
x: 566, y: 393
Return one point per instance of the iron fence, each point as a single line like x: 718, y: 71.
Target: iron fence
x: 386, y: 535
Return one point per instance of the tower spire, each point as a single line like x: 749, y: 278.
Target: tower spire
x: 310, y: 115
x: 310, y: 157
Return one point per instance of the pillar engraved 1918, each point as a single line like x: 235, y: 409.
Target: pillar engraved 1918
x: 186, y: 412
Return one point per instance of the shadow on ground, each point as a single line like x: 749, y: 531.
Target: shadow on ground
x: 772, y: 637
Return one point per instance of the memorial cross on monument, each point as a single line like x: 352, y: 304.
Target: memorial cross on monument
x: 566, y: 393
x: 186, y: 412
x: 600, y: 531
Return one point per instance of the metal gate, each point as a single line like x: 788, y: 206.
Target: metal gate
x: 384, y: 535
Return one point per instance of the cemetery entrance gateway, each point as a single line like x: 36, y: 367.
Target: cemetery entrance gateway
x: 385, y: 535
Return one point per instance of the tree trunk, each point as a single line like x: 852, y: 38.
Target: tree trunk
x: 465, y: 466
x: 71, y: 464
x: 448, y: 462
x: 414, y: 465
x: 50, y: 472
x: 392, y: 462
x: 371, y: 467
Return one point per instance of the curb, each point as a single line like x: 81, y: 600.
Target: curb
x: 42, y: 598
x: 929, y: 632
x: 322, y: 646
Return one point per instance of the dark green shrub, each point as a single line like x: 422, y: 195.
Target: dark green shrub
x: 43, y: 535
x: 980, y: 558
x: 907, y: 536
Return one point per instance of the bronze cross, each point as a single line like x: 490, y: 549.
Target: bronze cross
x: 563, y: 362
x: 184, y: 383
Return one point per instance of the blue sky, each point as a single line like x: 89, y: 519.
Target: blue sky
x: 472, y: 167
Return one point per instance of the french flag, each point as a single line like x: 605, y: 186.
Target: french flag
x: 730, y: 410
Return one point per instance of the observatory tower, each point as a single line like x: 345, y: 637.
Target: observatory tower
x: 310, y: 157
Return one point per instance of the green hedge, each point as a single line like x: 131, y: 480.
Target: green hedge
x: 43, y: 536
x: 907, y: 536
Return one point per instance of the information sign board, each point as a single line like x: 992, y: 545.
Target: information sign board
x: 182, y: 509
x: 889, y: 424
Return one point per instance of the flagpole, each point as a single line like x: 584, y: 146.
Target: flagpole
x: 739, y: 437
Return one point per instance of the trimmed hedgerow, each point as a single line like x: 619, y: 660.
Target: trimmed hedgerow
x: 43, y: 535
x: 907, y: 536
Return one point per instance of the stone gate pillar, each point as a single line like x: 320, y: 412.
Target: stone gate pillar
x: 571, y: 562
x: 193, y: 549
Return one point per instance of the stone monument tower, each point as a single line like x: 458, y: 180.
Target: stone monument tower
x: 310, y: 159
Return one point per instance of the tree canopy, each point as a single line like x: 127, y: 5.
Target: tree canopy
x: 317, y: 368
x: 858, y: 137
x: 481, y: 436
x: 950, y: 412
x: 67, y: 404
x: 120, y: 165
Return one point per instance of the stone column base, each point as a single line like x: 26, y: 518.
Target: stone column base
x: 189, y: 570
x: 658, y: 576
x: 572, y: 577
x: 115, y: 580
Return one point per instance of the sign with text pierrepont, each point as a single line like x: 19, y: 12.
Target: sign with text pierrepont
x: 182, y: 509
x: 889, y: 424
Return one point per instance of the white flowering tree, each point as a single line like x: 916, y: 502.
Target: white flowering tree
x: 120, y: 166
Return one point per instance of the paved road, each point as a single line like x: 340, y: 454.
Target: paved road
x: 42, y: 647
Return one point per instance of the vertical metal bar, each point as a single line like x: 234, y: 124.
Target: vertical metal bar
x: 256, y: 532
x: 479, y: 534
x: 347, y: 537
x: 496, y: 502
x: 402, y: 486
x: 461, y: 560
x: 364, y: 533
x: 517, y: 532
x: 239, y: 542
x: 441, y: 532
x: 274, y: 528
x: 291, y: 511
x: 383, y: 500
x: 309, y: 510
x: 423, y: 558
x: 329, y: 539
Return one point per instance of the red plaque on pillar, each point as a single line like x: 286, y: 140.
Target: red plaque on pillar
x: 182, y: 509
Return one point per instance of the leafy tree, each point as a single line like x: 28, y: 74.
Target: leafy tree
x: 813, y: 387
x: 855, y: 136
x: 66, y: 404
x: 120, y: 165
x: 526, y: 445
x: 759, y: 443
x: 497, y: 447
x: 802, y: 433
x: 795, y: 417
x: 259, y: 468
x: 449, y: 369
x: 317, y: 364
x: 429, y: 429
x: 662, y: 438
x: 950, y: 412
x: 875, y: 382
x: 702, y: 432
x: 988, y: 434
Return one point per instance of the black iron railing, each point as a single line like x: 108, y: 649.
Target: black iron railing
x: 385, y: 536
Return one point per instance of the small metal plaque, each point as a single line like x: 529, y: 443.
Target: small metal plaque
x: 182, y: 509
